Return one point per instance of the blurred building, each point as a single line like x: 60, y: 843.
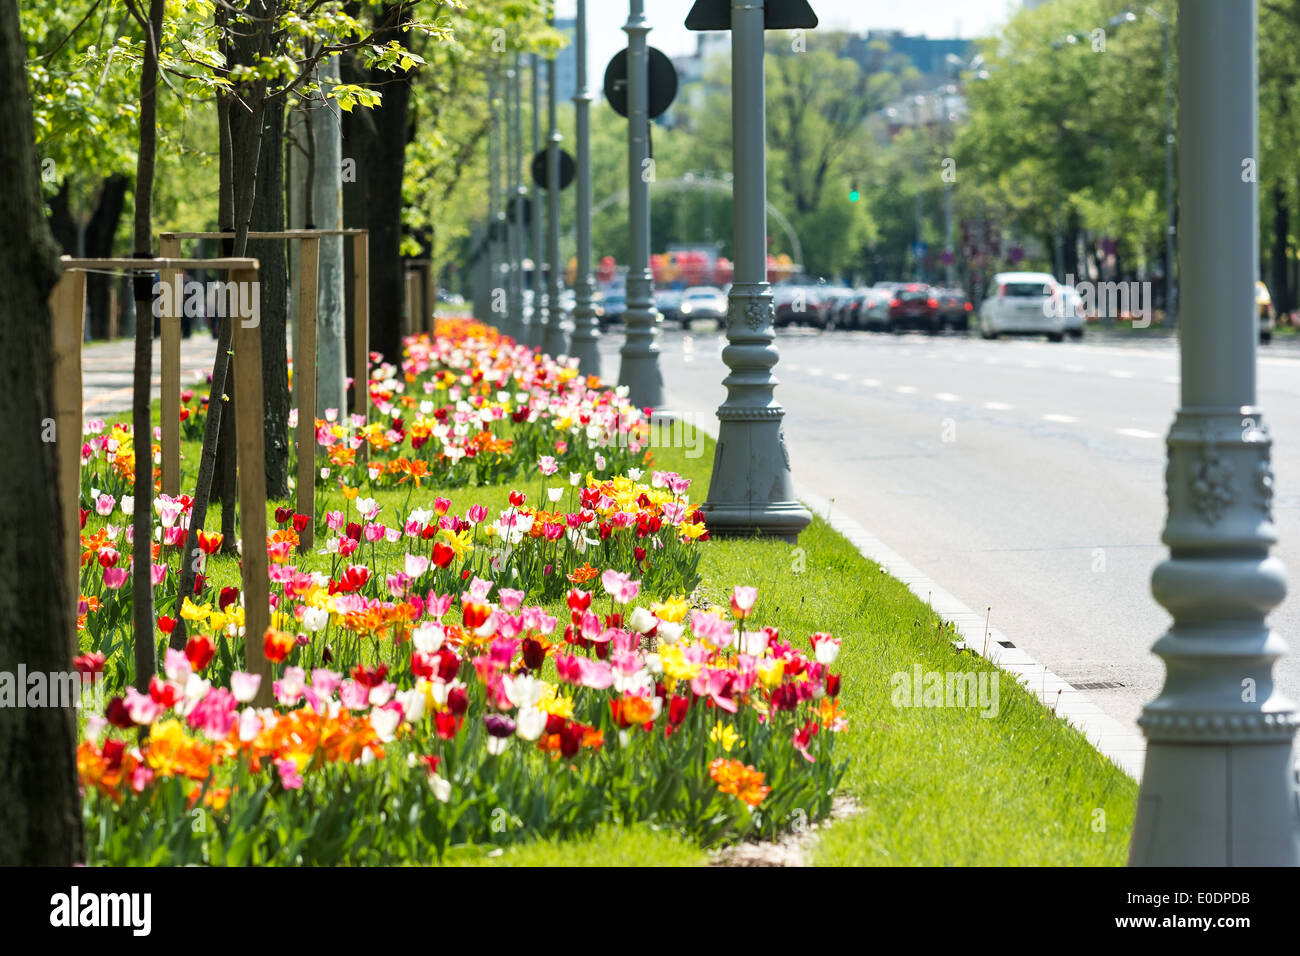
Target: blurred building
x: 566, y: 63
x: 712, y: 52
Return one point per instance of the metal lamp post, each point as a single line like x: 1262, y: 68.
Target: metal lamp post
x: 639, y: 367
x: 496, y: 235
x: 1218, y: 786
x: 586, y: 335
x: 555, y: 342
x: 751, y: 489
x: 537, y: 330
x: 514, y: 224
x: 520, y: 193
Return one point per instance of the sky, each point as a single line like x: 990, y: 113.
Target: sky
x: 935, y: 18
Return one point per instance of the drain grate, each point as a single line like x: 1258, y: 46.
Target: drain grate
x: 1101, y: 685
x: 1006, y: 644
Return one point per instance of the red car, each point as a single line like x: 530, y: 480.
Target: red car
x: 914, y: 306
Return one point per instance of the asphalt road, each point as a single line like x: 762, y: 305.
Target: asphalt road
x: 1022, y: 476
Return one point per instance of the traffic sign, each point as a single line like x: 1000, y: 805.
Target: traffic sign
x: 567, y: 169
x: 777, y: 15
x: 663, y: 83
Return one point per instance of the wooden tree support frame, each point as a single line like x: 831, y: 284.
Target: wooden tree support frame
x: 67, y: 309
x: 420, y: 295
x: 304, y: 362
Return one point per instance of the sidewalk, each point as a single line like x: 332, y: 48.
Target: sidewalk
x: 107, y: 369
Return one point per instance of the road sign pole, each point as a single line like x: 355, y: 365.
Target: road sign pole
x: 496, y: 247
x: 514, y: 222
x: 639, y: 368
x: 1219, y: 787
x: 537, y: 328
x: 751, y: 489
x: 586, y: 335
x: 556, y: 340
x: 520, y: 330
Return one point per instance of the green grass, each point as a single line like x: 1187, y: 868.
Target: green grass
x: 627, y: 846
x: 935, y: 786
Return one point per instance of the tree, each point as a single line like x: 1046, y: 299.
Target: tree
x: 40, y: 807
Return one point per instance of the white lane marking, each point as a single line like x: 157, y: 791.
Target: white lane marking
x: 814, y: 371
x: 841, y: 376
x: 1074, y: 368
x: 1136, y: 433
x: 906, y: 389
x: 998, y: 406
x: 946, y: 397
x: 1171, y: 379
x: 1120, y: 373
x: 1063, y: 419
x: 1031, y: 364
x: 871, y: 382
x: 791, y: 366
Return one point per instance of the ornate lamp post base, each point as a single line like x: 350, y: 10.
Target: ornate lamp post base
x: 751, y: 491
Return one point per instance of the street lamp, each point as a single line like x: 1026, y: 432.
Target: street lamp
x: 555, y: 341
x: 586, y: 335
x: 537, y: 326
x: 750, y: 489
x: 639, y: 369
x: 1218, y: 787
x: 514, y: 221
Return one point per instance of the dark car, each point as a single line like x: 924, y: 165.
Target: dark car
x: 615, y: 304
x: 668, y: 304
x: 954, y: 308
x: 914, y: 307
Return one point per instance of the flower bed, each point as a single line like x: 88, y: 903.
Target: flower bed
x: 499, y: 671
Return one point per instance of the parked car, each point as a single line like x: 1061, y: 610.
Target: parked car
x: 789, y: 301
x: 954, y: 308
x: 872, y: 308
x: 1267, y: 315
x: 914, y: 306
x: 615, y: 307
x: 1074, y: 313
x: 1023, y: 303
x: 668, y: 303
x: 702, y: 302
x: 835, y: 307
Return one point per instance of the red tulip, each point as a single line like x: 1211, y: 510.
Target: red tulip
x: 473, y: 614
x: 300, y: 522
x: 117, y: 714
x: 199, y: 651
x: 229, y: 596
x: 534, y: 654
x: 283, y: 514
x: 443, y: 554
x: 277, y: 645
x: 165, y: 623
x: 88, y: 664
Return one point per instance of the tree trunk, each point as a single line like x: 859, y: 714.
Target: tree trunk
x: 1281, y: 237
x: 40, y: 805
x: 244, y: 165
x: 101, y: 231
x: 325, y: 212
x: 377, y: 139
x: 141, y: 424
x: 273, y: 274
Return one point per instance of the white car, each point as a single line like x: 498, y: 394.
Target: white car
x: 1023, y: 303
x: 1074, y: 312
x: 702, y: 302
